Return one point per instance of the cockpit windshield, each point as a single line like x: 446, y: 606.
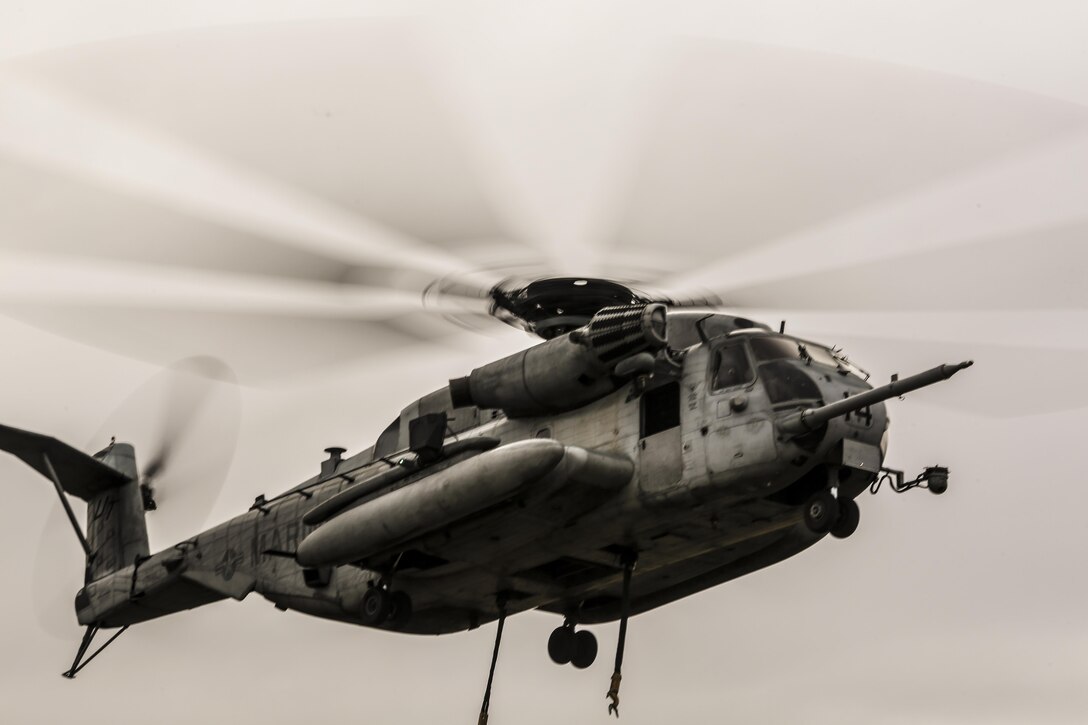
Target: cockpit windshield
x: 844, y: 363
x: 766, y: 348
x: 770, y: 354
x: 787, y: 348
x: 786, y: 383
x: 774, y: 348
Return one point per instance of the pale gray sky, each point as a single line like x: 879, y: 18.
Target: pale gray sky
x: 908, y: 180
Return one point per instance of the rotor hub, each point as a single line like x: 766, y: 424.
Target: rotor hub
x: 553, y: 306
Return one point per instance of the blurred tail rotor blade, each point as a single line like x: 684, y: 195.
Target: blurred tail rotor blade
x: 58, y: 575
x: 188, y: 391
x: 185, y: 420
x: 184, y: 423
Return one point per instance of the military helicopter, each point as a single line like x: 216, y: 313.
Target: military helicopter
x: 646, y: 450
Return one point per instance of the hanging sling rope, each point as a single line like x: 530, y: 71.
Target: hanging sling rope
x: 629, y: 560
x: 494, y: 658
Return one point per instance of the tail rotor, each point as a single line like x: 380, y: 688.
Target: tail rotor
x: 187, y: 415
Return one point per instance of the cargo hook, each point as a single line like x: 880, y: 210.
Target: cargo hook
x: 629, y: 559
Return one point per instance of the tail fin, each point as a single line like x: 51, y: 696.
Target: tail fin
x: 116, y: 530
x: 108, y: 482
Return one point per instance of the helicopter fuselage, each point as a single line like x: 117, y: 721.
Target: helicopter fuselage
x: 684, y: 466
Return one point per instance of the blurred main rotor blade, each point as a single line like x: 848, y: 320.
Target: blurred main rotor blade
x: 1006, y: 381
x: 349, y: 112
x: 756, y: 148
x: 49, y: 213
x: 82, y: 282
x: 1027, y: 328
x: 42, y: 126
x: 1027, y: 359
x: 1040, y: 268
x: 261, y: 348
x: 264, y: 327
x: 984, y: 226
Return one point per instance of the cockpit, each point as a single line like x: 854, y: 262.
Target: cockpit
x: 741, y: 357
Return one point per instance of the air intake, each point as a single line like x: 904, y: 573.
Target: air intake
x: 615, y: 333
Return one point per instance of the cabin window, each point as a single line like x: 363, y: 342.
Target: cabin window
x: 731, y: 367
x: 660, y: 409
x: 389, y: 440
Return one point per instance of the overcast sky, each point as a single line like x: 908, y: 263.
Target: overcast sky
x: 906, y: 180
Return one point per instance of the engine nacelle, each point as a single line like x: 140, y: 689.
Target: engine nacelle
x: 568, y: 371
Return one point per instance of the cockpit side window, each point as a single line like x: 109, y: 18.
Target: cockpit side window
x: 389, y: 440
x: 731, y: 367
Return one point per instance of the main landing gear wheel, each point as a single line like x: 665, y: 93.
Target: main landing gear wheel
x: 847, y: 523
x: 380, y: 606
x: 579, y: 648
x: 585, y: 649
x: 400, y: 609
x: 561, y: 644
x: 375, y: 606
x: 821, y: 512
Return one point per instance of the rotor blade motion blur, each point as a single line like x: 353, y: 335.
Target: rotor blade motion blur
x: 184, y: 423
x: 43, y: 127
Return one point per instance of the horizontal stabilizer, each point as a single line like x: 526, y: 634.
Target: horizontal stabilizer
x: 80, y: 475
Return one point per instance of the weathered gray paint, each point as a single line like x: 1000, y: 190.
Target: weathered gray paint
x: 543, y: 519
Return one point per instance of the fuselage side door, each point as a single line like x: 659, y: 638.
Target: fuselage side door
x: 741, y: 432
x: 660, y: 462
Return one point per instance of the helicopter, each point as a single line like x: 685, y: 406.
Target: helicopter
x: 647, y: 449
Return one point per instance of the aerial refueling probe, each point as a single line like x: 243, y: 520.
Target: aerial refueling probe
x: 812, y: 418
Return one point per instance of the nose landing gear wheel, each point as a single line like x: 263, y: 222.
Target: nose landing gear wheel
x: 847, y: 523
x: 821, y: 512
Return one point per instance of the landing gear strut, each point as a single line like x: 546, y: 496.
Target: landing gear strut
x: 847, y: 522
x: 579, y: 648
x: 88, y: 636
